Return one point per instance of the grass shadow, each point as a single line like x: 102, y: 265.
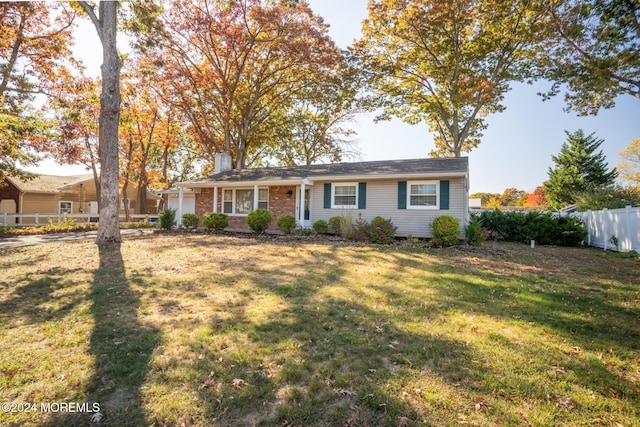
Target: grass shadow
x: 120, y: 345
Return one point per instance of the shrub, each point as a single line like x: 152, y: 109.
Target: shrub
x: 446, y: 230
x: 286, y: 223
x: 474, y: 232
x: 167, y: 219
x: 346, y: 226
x: 334, y: 225
x: 190, y: 220
x: 321, y: 226
x: 216, y: 221
x: 544, y: 228
x: 358, y: 231
x: 259, y: 220
x: 381, y: 231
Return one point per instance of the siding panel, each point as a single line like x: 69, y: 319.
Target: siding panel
x: 382, y: 199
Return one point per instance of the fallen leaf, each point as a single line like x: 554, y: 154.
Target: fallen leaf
x: 238, y: 382
x: 566, y: 403
x: 345, y: 392
x: 481, y: 407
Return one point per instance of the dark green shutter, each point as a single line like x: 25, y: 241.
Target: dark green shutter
x: 402, y: 194
x: 444, y: 195
x: 327, y: 195
x: 362, y: 195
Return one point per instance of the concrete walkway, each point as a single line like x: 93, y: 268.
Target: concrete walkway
x: 19, y: 241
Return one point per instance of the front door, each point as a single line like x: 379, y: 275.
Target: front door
x: 305, y: 221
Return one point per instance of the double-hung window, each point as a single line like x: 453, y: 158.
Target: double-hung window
x: 239, y: 201
x: 344, y: 195
x: 422, y: 195
x: 65, y: 207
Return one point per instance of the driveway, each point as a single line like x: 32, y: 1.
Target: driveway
x: 18, y: 241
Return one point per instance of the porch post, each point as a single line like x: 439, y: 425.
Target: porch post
x: 180, y: 200
x: 302, y: 190
x: 256, y: 197
x: 215, y: 199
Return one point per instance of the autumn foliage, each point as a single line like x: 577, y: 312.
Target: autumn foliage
x: 235, y: 67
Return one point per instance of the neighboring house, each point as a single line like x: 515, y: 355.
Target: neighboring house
x: 57, y: 195
x: 409, y: 192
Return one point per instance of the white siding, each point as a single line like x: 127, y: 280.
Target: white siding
x: 188, y: 202
x: 382, y: 200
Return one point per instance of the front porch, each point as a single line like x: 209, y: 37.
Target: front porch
x: 237, y: 201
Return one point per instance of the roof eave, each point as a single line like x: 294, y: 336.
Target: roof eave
x: 298, y: 180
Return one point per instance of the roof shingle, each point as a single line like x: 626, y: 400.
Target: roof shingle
x: 372, y: 169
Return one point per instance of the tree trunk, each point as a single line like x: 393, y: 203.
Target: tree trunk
x: 109, y: 226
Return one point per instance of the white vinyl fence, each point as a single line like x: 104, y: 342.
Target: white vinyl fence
x: 18, y: 220
x: 614, y: 229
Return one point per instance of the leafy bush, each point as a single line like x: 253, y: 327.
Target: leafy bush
x: 544, y: 228
x: 286, y: 223
x: 216, y: 221
x: 321, y: 226
x: 446, y: 230
x: 259, y: 220
x: 381, y: 231
x: 167, y: 219
x: 334, y: 225
x: 473, y: 231
x: 190, y: 220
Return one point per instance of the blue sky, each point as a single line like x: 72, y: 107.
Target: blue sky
x: 516, y: 148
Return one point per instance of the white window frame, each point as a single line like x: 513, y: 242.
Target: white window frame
x: 333, y: 195
x: 60, y: 207
x: 234, y: 199
x: 433, y: 207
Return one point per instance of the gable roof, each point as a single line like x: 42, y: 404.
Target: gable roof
x: 449, y: 166
x: 54, y: 184
x: 48, y: 184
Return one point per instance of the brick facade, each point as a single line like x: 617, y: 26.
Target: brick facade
x: 204, y: 203
x: 280, y: 202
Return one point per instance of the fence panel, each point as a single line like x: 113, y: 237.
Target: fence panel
x: 615, y: 229
x: 35, y: 219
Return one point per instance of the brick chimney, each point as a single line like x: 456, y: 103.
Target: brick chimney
x: 222, y: 163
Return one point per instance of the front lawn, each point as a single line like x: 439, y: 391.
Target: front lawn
x: 206, y: 330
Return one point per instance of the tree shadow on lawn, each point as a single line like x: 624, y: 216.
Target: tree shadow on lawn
x: 320, y: 360
x: 571, y: 319
x: 120, y: 345
x: 34, y: 300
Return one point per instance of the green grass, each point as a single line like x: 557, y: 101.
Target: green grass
x: 209, y: 330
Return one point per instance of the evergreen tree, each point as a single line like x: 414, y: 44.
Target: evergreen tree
x: 578, y: 169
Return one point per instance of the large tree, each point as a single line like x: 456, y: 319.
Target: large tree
x: 105, y: 22
x: 73, y: 137
x: 35, y: 40
x: 447, y: 63
x: 234, y: 67
x: 144, y: 23
x: 315, y: 128
x: 578, y: 169
x: 594, y: 52
x: 629, y: 166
